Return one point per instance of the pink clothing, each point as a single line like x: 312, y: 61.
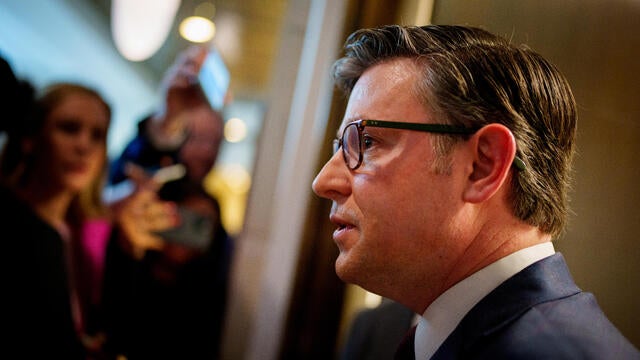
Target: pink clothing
x: 93, y: 247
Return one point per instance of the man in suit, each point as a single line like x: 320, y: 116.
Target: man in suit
x: 449, y: 181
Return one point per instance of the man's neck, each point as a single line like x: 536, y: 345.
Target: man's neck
x: 487, y: 248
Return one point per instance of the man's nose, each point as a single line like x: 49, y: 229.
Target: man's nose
x: 333, y: 181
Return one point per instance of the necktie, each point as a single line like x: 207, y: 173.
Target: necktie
x: 405, y: 349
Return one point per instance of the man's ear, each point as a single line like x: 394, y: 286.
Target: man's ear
x: 494, y: 148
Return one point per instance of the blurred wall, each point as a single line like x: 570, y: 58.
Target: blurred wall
x: 267, y: 255
x: 596, y: 43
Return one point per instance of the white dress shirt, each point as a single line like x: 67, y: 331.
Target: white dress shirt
x: 444, y: 314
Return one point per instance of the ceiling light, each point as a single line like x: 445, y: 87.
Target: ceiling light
x: 235, y: 130
x: 197, y: 29
x: 140, y: 27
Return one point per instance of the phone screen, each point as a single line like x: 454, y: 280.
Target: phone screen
x: 214, y: 79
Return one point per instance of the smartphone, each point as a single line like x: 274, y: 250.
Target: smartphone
x: 195, y: 230
x: 214, y: 78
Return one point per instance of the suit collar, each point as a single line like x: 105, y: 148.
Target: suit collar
x: 543, y: 281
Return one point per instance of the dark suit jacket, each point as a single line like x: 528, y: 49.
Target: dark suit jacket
x: 375, y: 333
x: 539, y: 313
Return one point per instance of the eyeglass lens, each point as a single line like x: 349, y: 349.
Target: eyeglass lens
x: 351, y: 145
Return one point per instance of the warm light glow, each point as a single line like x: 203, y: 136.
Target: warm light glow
x: 140, y: 27
x: 237, y: 178
x: 230, y: 184
x: 372, y: 300
x: 235, y: 130
x: 197, y: 29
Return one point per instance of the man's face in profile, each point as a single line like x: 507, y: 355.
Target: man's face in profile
x: 393, y: 214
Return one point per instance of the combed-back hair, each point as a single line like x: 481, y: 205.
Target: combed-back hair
x: 471, y: 77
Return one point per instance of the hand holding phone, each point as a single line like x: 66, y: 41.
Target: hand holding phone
x: 195, y: 230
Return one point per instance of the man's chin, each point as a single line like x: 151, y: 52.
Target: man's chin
x: 345, y: 269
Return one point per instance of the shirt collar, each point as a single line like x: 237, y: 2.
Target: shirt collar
x: 443, y: 315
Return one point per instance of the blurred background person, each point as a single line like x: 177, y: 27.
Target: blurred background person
x: 52, y: 175
x: 51, y: 172
x: 171, y: 301
x: 374, y: 333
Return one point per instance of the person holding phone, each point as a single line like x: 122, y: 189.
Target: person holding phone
x: 171, y: 302
x: 161, y: 134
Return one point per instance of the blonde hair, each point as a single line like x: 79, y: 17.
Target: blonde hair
x: 15, y: 164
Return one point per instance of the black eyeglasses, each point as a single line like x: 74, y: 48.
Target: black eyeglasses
x: 352, y: 141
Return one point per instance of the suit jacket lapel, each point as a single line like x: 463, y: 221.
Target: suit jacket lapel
x: 545, y: 280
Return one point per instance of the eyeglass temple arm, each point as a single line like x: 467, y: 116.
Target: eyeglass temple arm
x: 434, y: 128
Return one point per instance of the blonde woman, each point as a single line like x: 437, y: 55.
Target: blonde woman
x: 56, y: 226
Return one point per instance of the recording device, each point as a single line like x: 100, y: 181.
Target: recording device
x: 214, y: 79
x: 195, y: 230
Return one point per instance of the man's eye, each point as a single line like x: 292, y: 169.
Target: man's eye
x: 367, y: 141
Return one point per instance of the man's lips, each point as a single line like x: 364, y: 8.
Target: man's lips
x: 343, y: 225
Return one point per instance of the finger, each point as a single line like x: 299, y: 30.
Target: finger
x: 141, y: 242
x: 147, y: 184
x: 135, y: 173
x: 160, y: 216
x: 200, y: 55
x: 135, y: 205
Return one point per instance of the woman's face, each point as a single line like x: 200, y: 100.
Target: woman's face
x: 72, y: 147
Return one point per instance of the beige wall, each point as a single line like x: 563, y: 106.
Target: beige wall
x: 596, y: 43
